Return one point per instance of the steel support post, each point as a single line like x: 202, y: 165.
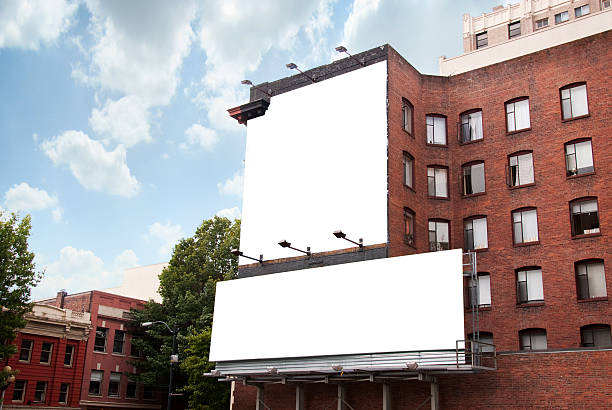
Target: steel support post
x: 386, y: 396
x: 260, y: 398
x: 341, y: 397
x: 299, y: 397
x: 435, y: 397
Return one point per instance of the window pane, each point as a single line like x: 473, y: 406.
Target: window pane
x: 480, y: 233
x: 96, y: 375
x: 579, y: 101
x: 476, y: 125
x: 521, y: 112
x: 566, y: 106
x: 484, y: 289
x: 525, y: 169
x: 408, y: 171
x: 441, y: 182
x: 478, y: 178
x: 597, y: 280
x: 439, y: 130
x: 518, y: 228
x: 584, y: 157
x: 442, y: 232
x: 535, y: 289
x: 530, y: 226
x: 538, y: 341
x: 601, y: 336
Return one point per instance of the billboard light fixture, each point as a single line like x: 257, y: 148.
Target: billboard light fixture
x: 285, y: 244
x: 293, y: 66
x: 337, y: 367
x: 238, y: 252
x: 248, y: 82
x: 272, y: 370
x: 342, y: 49
x: 342, y: 235
x: 412, y: 365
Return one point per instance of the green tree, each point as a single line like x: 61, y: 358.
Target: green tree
x: 17, y: 277
x: 187, y: 287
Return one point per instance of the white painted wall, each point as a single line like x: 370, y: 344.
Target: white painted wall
x: 141, y: 282
x: 407, y: 303
x: 316, y: 163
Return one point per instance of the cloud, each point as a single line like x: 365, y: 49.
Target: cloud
x: 230, y: 213
x: 139, y: 46
x: 168, y: 234
x: 232, y: 186
x: 95, y: 168
x: 78, y: 270
x: 57, y: 214
x: 29, y: 23
x: 202, y: 136
x: 125, y: 121
x: 24, y: 198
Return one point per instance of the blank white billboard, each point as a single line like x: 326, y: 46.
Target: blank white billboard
x: 316, y: 162
x: 401, y: 304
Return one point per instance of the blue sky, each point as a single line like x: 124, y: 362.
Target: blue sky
x: 113, y: 122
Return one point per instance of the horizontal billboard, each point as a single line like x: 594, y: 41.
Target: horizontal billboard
x: 401, y: 304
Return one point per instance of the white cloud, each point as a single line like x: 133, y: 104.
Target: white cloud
x: 57, y: 214
x: 139, y: 46
x: 23, y: 197
x: 233, y: 185
x: 125, y: 121
x: 230, y: 213
x: 94, y: 167
x: 30, y: 23
x: 202, y: 136
x: 168, y: 234
x: 126, y: 259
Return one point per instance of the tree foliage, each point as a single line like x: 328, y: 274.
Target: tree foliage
x: 187, y: 287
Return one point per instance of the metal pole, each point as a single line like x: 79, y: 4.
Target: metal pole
x: 386, y: 396
x: 2, y: 398
x: 170, y: 383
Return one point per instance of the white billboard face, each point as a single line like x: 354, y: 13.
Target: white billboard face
x: 402, y: 304
x: 316, y: 163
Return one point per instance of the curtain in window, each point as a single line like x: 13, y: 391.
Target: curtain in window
x: 521, y: 113
x: 525, y: 163
x: 584, y: 155
x: 480, y: 233
x: 484, y: 289
x: 535, y: 289
x: 475, y: 122
x: 597, y: 279
x: 579, y: 101
x: 441, y: 182
x: 478, y: 178
x: 530, y: 226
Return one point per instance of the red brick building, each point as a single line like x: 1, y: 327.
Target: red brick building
x: 50, y: 359
x: 511, y: 160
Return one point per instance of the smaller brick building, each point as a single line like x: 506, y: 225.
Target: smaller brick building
x: 50, y: 359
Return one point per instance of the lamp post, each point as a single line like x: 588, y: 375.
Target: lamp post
x: 9, y: 380
x: 173, y: 357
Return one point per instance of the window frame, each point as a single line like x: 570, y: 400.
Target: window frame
x: 409, y: 215
x: 560, y: 14
x: 581, y: 13
x: 483, y: 334
x: 543, y: 25
x: 528, y: 301
x: 571, y: 212
x: 115, y: 341
x: 434, y: 144
x: 532, y: 332
x: 589, y: 298
x: 514, y: 101
x: 468, y: 113
x: 591, y: 328
x: 73, y: 349
x: 510, y: 29
x: 484, y: 176
x: 407, y: 104
x: 471, y: 219
x: 478, y: 40
x: 43, y: 395
x: 569, y: 87
x: 67, y: 392
x: 407, y: 156
x: 565, y: 156
x: 96, y: 346
x: 523, y: 209
x: 49, y: 352
x: 30, y: 349
x: 114, y: 383
x: 23, y: 391
x: 99, y: 390
x: 436, y: 221
x: 434, y: 167
x: 471, y: 293
x: 127, y: 389
x: 509, y: 169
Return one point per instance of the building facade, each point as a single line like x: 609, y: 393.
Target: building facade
x: 507, y: 159
x: 50, y: 359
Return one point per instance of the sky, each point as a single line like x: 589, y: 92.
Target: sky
x: 114, y: 132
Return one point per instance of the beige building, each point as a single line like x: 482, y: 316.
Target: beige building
x: 141, y: 282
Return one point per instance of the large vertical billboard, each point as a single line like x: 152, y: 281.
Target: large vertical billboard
x: 316, y: 162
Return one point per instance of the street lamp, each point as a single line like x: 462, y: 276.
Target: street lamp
x: 9, y: 380
x: 173, y: 357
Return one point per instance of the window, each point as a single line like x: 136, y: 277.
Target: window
x: 408, y: 170
x: 481, y: 40
x: 45, y: 354
x: 585, y: 218
x: 113, y: 384
x: 133, y: 349
x: 590, y: 279
x: 95, y: 382
x: 63, y: 395
x: 605, y: 4
x: 471, y: 126
x: 438, y: 235
x: 436, y: 129
x: 582, y: 11
x: 485, y: 337
x: 529, y: 286
x: 533, y: 339
x: 41, y: 392
x: 579, y: 158
x: 475, y: 233
x: 147, y: 392
x: 119, y: 341
x: 100, y: 342
x: 409, y: 226
x: 525, y: 226
x: 130, y: 390
x: 517, y: 115
x: 561, y: 17
x: 541, y: 23
x: 408, y: 116
x: 68, y: 355
x: 25, y: 352
x: 520, y: 169
x: 19, y: 390
x: 595, y: 336
x: 479, y: 291
x: 574, y: 102
x: 473, y: 178
x: 514, y: 29
x: 437, y: 181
